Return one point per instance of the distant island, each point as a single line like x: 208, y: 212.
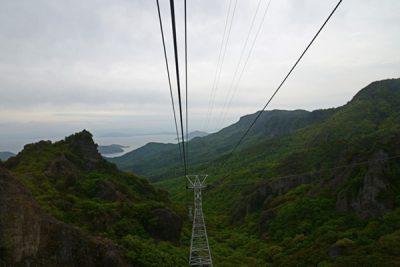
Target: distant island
x: 111, y: 149
x: 129, y: 134
x: 5, y: 155
x: 195, y: 134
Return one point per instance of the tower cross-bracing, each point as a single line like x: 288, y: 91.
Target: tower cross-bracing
x: 200, y: 254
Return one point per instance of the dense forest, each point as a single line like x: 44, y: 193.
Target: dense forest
x: 306, y: 188
x: 86, y: 212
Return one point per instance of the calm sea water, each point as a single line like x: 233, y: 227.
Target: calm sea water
x: 132, y: 142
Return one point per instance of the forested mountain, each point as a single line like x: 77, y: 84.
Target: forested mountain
x: 372, y: 104
x: 62, y: 204
x: 317, y: 188
x: 157, y: 160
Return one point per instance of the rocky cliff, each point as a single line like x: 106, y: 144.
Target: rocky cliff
x: 31, y: 237
x: 65, y: 205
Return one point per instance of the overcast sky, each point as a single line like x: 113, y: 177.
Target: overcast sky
x: 98, y: 64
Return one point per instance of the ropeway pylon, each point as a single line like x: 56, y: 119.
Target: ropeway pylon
x: 200, y: 253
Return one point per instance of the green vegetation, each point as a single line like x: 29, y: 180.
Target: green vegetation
x: 159, y: 161
x: 317, y: 188
x: 325, y: 215
x: 76, y: 185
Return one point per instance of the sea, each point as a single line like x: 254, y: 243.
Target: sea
x: 133, y: 142
x: 130, y: 143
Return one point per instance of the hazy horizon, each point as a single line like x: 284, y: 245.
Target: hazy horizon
x: 98, y: 65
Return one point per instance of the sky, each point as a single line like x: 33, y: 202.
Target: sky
x: 69, y: 65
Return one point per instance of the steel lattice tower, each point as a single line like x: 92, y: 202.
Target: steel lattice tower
x: 200, y: 253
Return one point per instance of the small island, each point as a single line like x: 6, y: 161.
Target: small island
x: 195, y: 134
x: 5, y: 155
x: 111, y: 149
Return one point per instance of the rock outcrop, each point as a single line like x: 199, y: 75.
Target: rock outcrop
x: 30, y: 237
x: 83, y: 146
x: 372, y: 198
x: 262, y: 194
x: 365, y: 201
x: 167, y: 225
x: 341, y: 247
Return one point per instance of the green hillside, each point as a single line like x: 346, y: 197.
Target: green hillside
x: 315, y: 188
x: 159, y: 161
x: 72, y: 182
x: 325, y: 215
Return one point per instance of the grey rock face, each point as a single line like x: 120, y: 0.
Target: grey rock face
x: 263, y: 194
x: 167, y: 226
x: 365, y: 202
x: 341, y: 248
x: 30, y: 237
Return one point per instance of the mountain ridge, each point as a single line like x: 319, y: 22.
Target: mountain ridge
x: 306, y: 189
x: 272, y: 124
x: 77, y: 188
x: 325, y: 193
x: 213, y: 144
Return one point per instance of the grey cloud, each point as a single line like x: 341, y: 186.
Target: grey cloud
x: 71, y: 58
